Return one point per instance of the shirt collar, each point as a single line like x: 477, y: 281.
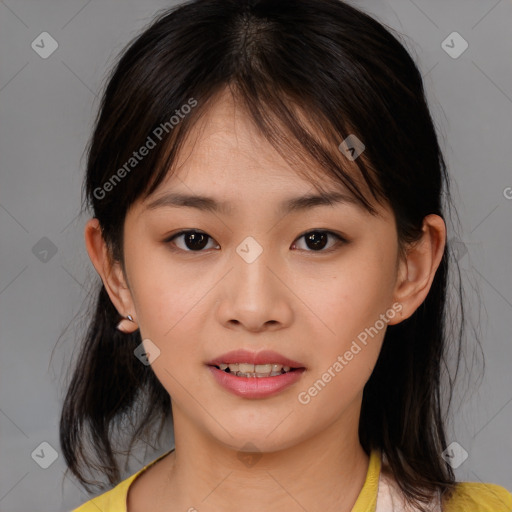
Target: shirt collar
x: 367, y: 499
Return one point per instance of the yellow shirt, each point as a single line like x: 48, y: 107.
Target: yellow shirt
x: 468, y: 497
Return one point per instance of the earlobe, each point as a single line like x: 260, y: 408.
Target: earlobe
x: 110, y: 272
x: 417, y: 269
x: 127, y: 324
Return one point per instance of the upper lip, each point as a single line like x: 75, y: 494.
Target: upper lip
x: 246, y: 356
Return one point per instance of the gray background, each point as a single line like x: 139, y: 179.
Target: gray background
x: 46, y: 110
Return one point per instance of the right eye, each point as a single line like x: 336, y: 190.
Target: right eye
x: 193, y: 241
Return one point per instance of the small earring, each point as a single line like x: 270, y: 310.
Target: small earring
x: 123, y: 326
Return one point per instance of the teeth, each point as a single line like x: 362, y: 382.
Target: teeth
x: 258, y: 370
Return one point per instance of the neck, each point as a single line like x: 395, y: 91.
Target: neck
x: 324, y: 472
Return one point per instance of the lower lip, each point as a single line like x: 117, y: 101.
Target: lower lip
x: 255, y: 387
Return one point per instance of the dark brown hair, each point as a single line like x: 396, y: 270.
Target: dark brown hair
x: 346, y: 74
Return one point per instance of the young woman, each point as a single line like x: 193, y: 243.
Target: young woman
x: 268, y: 224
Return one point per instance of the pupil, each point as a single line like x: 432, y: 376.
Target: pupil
x: 313, y: 238
x: 195, y: 238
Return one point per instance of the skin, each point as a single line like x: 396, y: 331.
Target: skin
x: 304, y: 303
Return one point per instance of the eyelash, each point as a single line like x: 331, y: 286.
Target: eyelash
x: 341, y: 240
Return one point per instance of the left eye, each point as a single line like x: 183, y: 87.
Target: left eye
x: 317, y: 240
x: 196, y: 241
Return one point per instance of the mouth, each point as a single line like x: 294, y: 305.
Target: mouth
x: 255, y: 375
x: 255, y: 381
x: 263, y: 364
x: 255, y: 370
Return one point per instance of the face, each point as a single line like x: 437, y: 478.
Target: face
x: 313, y: 283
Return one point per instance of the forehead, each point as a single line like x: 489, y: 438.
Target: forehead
x: 225, y: 144
x: 225, y: 160
x: 225, y: 140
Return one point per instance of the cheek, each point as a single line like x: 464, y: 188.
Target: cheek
x: 355, y: 305
x: 167, y: 299
x: 353, y: 295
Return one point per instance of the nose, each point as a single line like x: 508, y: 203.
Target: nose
x: 256, y: 295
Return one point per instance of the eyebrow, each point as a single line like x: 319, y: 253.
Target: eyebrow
x: 205, y: 203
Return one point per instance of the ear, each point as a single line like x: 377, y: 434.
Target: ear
x: 111, y: 274
x: 417, y: 269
